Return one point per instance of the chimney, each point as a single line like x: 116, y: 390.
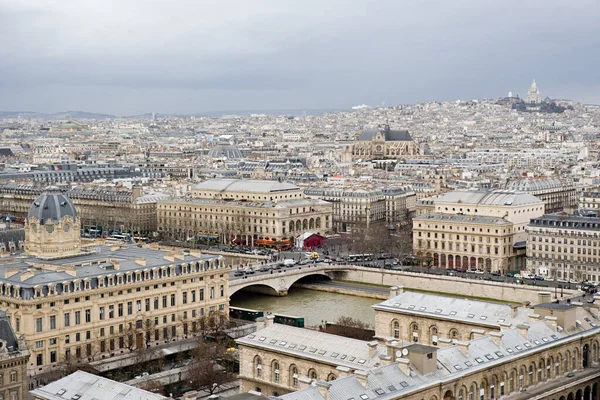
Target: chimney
x: 343, y: 371
x: 179, y: 255
x: 136, y: 192
x: 463, y: 347
x: 140, y: 261
x: 443, y: 342
x: 504, y: 326
x: 372, y: 348
x: 195, y: 253
x: 477, y: 333
x: 362, y: 377
x: 385, y: 359
x: 544, y: 297
x: 391, y: 347
x: 551, y: 321
x: 323, y: 388
x: 404, y: 365
x: 27, y: 274
x: 190, y: 395
x: 534, y: 317
x: 523, y: 330
x: 497, y: 338
x: 304, y: 382
x: 169, y: 257
x: 260, y: 323
x: 116, y: 263
x: 269, y: 320
x: 513, y: 310
x: 396, y: 290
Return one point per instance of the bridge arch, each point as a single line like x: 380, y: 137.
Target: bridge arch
x: 278, y: 283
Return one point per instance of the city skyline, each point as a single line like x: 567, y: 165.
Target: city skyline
x: 195, y: 58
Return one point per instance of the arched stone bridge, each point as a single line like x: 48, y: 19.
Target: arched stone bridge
x: 277, y: 282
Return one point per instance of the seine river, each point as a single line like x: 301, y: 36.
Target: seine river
x: 313, y: 305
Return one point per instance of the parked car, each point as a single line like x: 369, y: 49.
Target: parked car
x: 238, y: 273
x: 248, y: 270
x: 264, y: 268
x: 538, y: 278
x: 478, y: 271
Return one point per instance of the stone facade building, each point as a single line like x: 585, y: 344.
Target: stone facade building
x: 382, y: 143
x: 554, y: 354
x: 236, y: 209
x: 120, y: 210
x: 359, y: 207
x: 13, y: 362
x: 77, y: 303
x: 557, y: 194
x: 564, y: 248
x: 470, y: 229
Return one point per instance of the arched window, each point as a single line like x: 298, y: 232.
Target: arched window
x: 294, y: 376
x: 275, y: 371
x: 453, y: 334
x: 312, y: 374
x: 414, y: 328
x: 258, y: 366
x: 434, y: 335
x: 331, y: 377
x: 396, y: 329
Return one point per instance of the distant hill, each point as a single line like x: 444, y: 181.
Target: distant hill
x: 83, y: 115
x: 54, y: 116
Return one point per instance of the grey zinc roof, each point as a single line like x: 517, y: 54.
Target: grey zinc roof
x: 52, y: 205
x: 471, y: 219
x: 7, y: 334
x: 310, y: 344
x: 534, y: 184
x: 245, y: 185
x: 101, y: 257
x: 92, y: 387
x: 389, y: 382
x: 453, y: 308
x: 390, y: 135
x: 488, y: 197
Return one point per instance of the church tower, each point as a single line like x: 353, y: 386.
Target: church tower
x: 52, y: 227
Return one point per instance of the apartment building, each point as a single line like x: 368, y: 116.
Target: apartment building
x: 14, y: 356
x: 120, y: 210
x: 550, y: 351
x: 245, y: 211
x: 84, y: 304
x: 557, y: 194
x: 475, y: 229
x: 564, y: 247
x: 358, y: 207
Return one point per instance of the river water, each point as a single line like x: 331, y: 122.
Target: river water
x: 313, y: 305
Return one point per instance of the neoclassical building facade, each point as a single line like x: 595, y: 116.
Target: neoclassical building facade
x: 245, y: 211
x: 86, y: 304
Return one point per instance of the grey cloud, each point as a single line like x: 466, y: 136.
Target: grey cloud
x: 274, y: 54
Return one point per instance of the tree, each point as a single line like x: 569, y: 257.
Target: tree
x: 204, y: 372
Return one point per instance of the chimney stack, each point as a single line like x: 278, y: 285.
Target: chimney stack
x: 544, y: 297
x: 404, y: 365
x: 477, y: 333
x: 534, y: 317
x: 269, y: 320
x: 551, y: 321
x: 513, y: 310
x: 523, y: 330
x: 323, y: 388
x: 463, y: 347
x: 497, y: 338
x: 362, y: 377
x: 372, y: 348
x: 343, y: 371
x: 396, y: 290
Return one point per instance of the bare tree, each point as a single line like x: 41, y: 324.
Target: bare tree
x: 204, y: 372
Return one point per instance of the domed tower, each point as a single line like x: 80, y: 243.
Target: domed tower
x: 52, y: 226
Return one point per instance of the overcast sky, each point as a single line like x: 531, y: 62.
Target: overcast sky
x: 185, y: 56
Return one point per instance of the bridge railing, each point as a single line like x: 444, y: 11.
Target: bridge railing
x: 291, y: 271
